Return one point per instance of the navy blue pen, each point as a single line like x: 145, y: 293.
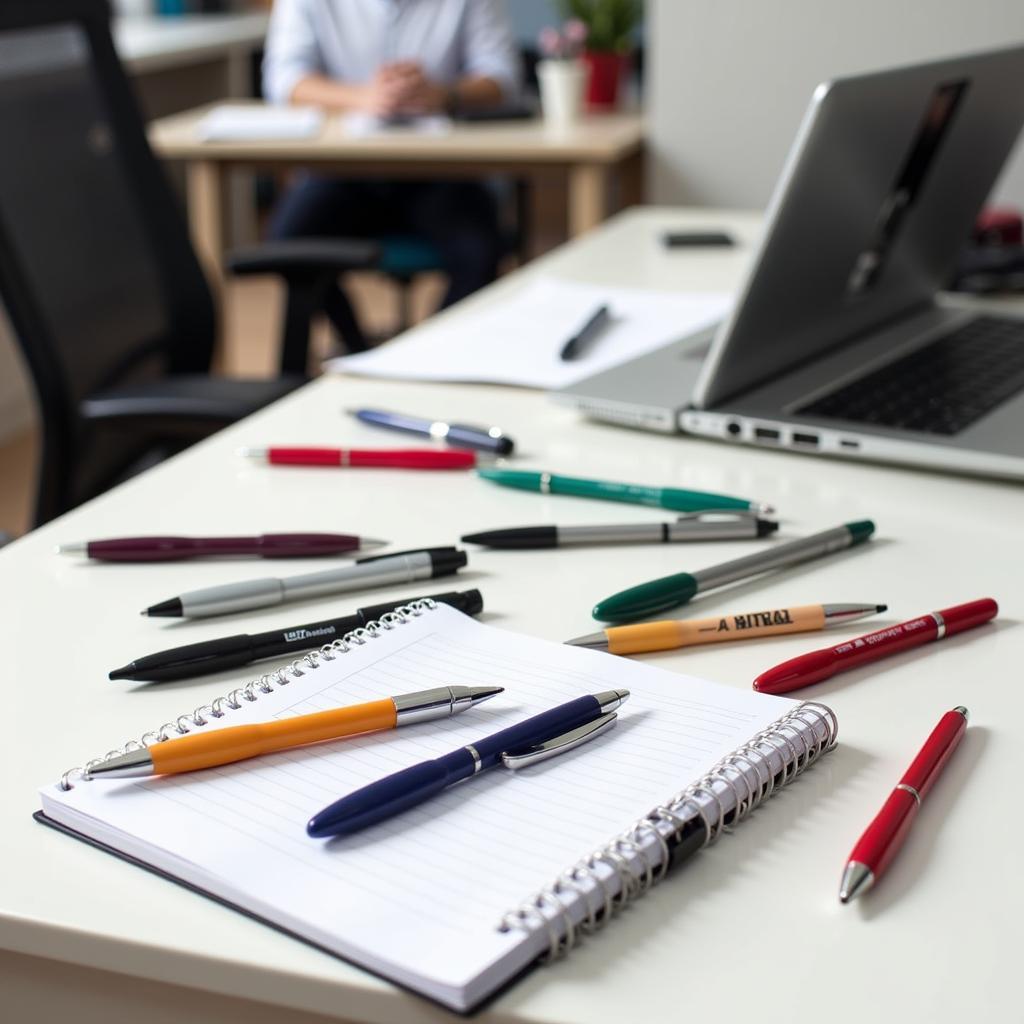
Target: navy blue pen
x: 458, y: 435
x: 538, y: 738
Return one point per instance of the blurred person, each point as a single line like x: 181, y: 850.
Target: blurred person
x: 394, y: 59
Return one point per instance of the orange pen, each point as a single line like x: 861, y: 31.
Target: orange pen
x: 205, y: 749
x: 668, y: 634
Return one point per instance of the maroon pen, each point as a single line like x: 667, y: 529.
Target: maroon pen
x: 267, y: 545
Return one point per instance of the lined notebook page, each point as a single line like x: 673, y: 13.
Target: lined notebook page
x: 418, y: 898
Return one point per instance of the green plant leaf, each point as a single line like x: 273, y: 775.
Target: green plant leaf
x: 610, y: 23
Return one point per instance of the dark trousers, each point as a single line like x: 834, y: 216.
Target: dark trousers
x: 459, y: 218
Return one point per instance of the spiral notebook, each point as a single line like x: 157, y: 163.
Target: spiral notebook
x: 440, y: 899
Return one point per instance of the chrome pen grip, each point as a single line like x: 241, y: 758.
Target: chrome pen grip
x: 440, y: 702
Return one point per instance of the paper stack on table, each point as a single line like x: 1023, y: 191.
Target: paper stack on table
x: 518, y: 341
x: 240, y: 122
x: 359, y: 125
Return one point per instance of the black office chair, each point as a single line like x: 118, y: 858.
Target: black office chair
x: 97, y: 274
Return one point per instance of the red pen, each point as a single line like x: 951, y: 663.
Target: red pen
x: 826, y: 662
x: 394, y: 458
x: 882, y: 839
x: 172, y: 549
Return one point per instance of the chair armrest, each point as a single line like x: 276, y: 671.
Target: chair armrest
x: 300, y: 257
x: 182, y: 400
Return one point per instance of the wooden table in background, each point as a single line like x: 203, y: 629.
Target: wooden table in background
x: 595, y: 156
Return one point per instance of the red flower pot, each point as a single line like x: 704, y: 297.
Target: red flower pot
x: 605, y: 73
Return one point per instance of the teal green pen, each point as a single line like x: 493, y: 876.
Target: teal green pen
x: 660, y: 595
x: 657, y: 497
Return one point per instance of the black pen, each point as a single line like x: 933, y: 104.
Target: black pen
x: 244, y: 648
x: 574, y: 346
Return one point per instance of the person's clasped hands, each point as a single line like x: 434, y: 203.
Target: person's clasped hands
x: 401, y: 88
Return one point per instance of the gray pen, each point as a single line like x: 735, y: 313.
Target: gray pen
x: 401, y: 567
x: 586, y: 334
x: 710, y: 525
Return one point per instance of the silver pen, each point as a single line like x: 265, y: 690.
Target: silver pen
x: 694, y: 526
x: 659, y: 595
x: 401, y: 567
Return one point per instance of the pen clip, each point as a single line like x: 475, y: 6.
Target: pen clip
x: 742, y: 515
x: 515, y: 760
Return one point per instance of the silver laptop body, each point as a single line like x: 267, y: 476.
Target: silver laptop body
x: 827, y: 348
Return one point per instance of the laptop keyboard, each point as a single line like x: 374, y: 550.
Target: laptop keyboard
x: 941, y: 388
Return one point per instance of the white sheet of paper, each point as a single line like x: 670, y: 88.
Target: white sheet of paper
x: 238, y: 122
x: 518, y: 341
x: 359, y: 125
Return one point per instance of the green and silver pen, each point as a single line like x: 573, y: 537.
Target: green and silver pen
x: 657, y: 497
x: 669, y: 591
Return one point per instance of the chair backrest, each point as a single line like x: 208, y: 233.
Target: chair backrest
x: 96, y: 269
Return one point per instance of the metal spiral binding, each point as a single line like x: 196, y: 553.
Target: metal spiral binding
x: 793, y: 739
x: 267, y: 683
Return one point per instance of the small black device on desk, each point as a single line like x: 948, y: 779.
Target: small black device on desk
x: 703, y: 239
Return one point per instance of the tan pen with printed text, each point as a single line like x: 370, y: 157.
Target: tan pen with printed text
x: 669, y: 634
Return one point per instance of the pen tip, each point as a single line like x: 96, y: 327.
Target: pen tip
x: 373, y: 542
x: 165, y: 609
x: 611, y: 699
x: 479, y: 693
x: 881, y: 607
x: 252, y: 453
x: 857, y: 878
x: 593, y: 641
x: 764, y: 509
x: 133, y: 764
x: 75, y: 548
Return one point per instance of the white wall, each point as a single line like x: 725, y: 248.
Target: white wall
x: 728, y: 80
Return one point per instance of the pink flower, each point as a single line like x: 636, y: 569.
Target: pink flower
x: 550, y: 42
x: 575, y: 32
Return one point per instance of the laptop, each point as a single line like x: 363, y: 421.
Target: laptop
x: 840, y: 342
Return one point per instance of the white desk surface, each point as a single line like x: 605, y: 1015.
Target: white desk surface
x: 750, y: 929
x: 151, y: 42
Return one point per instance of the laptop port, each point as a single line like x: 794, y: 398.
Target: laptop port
x: 808, y: 439
x: 733, y: 428
x: 766, y: 434
x: 846, y: 442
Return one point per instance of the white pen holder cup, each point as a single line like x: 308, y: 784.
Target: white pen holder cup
x: 561, y: 91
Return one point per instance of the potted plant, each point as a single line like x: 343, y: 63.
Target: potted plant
x: 561, y: 73
x: 609, y: 26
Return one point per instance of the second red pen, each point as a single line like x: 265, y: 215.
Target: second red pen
x: 394, y: 458
x: 824, y: 663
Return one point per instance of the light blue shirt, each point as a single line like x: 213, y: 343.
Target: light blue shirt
x: 349, y: 39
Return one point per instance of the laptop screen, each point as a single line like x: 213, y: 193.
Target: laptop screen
x: 877, y: 198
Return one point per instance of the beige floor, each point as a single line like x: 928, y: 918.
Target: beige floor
x: 252, y: 319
